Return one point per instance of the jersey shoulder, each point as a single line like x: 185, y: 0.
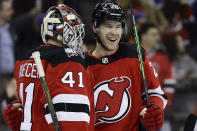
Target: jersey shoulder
x: 124, y: 51
x: 164, y: 53
x: 131, y: 50
x: 56, y: 55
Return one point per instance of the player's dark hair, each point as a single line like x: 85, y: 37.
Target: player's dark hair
x: 145, y: 27
x: 171, y: 46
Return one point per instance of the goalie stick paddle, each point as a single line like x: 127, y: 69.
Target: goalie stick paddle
x: 139, y: 55
x: 36, y: 56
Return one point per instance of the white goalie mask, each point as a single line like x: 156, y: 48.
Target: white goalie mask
x: 63, y: 24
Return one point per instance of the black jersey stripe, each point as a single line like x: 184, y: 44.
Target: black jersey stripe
x: 69, y: 107
x: 150, y: 94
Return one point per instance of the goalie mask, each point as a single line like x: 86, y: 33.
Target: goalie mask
x: 63, y: 24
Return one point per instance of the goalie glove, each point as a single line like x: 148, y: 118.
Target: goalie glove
x: 13, y: 115
x: 152, y: 118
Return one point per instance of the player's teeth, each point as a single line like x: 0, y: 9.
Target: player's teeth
x: 112, y: 39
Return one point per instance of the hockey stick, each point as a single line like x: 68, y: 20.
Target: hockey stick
x: 190, y: 122
x: 140, y: 58
x: 143, y: 112
x: 36, y: 56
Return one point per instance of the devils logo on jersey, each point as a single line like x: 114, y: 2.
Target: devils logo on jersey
x: 112, y: 99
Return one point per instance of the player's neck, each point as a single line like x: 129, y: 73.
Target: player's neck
x: 2, y: 22
x: 101, y: 52
x: 147, y: 47
x: 56, y: 43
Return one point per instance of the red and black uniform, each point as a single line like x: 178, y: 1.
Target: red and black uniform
x: 69, y: 81
x: 165, y: 70
x: 119, y: 90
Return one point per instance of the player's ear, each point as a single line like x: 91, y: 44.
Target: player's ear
x: 141, y: 37
x: 95, y: 30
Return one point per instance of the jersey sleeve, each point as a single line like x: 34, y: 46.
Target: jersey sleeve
x: 169, y: 81
x: 165, y: 71
x: 155, y: 93
x: 69, y: 85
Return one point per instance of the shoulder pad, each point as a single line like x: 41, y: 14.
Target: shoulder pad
x: 131, y: 50
x: 57, y: 55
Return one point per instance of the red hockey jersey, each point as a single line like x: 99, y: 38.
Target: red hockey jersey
x: 119, y: 91
x: 165, y: 71
x: 68, y: 78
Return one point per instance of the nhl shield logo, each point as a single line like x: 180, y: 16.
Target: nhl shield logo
x: 112, y: 99
x: 105, y: 60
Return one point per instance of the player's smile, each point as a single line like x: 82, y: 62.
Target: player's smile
x: 112, y: 39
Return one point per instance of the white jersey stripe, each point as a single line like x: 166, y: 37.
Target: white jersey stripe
x: 170, y: 81
x: 69, y: 116
x: 157, y: 90
x: 169, y: 90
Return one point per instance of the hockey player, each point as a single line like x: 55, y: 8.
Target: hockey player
x: 67, y: 74
x: 119, y: 91
x: 150, y: 38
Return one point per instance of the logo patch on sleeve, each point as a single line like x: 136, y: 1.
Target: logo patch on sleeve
x: 70, y: 52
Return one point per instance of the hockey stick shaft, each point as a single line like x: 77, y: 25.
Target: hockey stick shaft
x: 36, y: 56
x: 140, y: 55
x: 190, y: 122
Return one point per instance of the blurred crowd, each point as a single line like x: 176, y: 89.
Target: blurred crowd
x: 167, y: 29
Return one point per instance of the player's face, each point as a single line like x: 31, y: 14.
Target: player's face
x: 7, y: 11
x: 110, y: 33
x: 152, y: 37
x: 180, y: 44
